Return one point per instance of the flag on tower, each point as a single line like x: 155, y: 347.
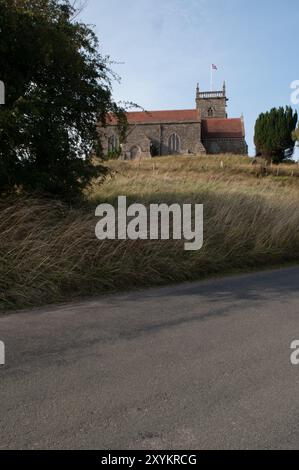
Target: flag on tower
x: 213, y: 67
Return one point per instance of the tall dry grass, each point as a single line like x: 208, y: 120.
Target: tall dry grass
x: 49, y: 251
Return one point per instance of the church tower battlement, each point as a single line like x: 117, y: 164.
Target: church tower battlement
x: 212, y: 104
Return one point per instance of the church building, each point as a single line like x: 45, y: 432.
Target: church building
x: 206, y: 129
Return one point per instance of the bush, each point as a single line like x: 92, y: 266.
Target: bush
x: 273, y: 134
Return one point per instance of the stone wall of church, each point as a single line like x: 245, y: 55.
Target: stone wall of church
x: 140, y: 137
x: 189, y: 135
x: 217, y: 105
x: 232, y: 145
x: 144, y: 140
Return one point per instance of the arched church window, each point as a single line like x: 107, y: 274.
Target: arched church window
x: 174, y: 143
x: 113, y: 143
x: 210, y: 112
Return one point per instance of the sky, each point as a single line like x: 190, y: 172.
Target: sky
x: 162, y: 48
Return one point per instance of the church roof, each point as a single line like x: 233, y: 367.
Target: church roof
x: 211, y: 128
x: 147, y: 117
x: 222, y: 128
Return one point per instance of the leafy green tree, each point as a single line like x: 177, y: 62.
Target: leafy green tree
x: 273, y: 133
x: 58, y: 86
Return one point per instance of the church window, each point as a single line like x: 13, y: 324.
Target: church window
x: 113, y: 143
x: 210, y: 112
x: 174, y: 143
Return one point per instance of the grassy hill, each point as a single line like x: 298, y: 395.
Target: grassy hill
x: 49, y: 251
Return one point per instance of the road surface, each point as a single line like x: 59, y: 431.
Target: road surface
x: 196, y: 366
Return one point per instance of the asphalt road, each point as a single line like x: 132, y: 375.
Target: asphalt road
x: 197, y: 366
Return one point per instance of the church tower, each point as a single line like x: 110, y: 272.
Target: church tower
x: 212, y: 104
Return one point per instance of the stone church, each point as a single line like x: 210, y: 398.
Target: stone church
x: 203, y: 130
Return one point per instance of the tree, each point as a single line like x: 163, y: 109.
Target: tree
x: 58, y: 86
x: 273, y: 133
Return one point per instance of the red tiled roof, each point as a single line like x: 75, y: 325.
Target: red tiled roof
x: 145, y: 117
x: 221, y: 128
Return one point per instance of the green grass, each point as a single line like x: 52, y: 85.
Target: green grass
x: 49, y: 252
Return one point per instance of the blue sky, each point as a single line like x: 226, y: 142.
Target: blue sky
x: 164, y: 47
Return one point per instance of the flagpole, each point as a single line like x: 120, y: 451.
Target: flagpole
x: 211, y: 77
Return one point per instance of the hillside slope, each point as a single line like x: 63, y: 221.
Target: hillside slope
x: 49, y: 252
